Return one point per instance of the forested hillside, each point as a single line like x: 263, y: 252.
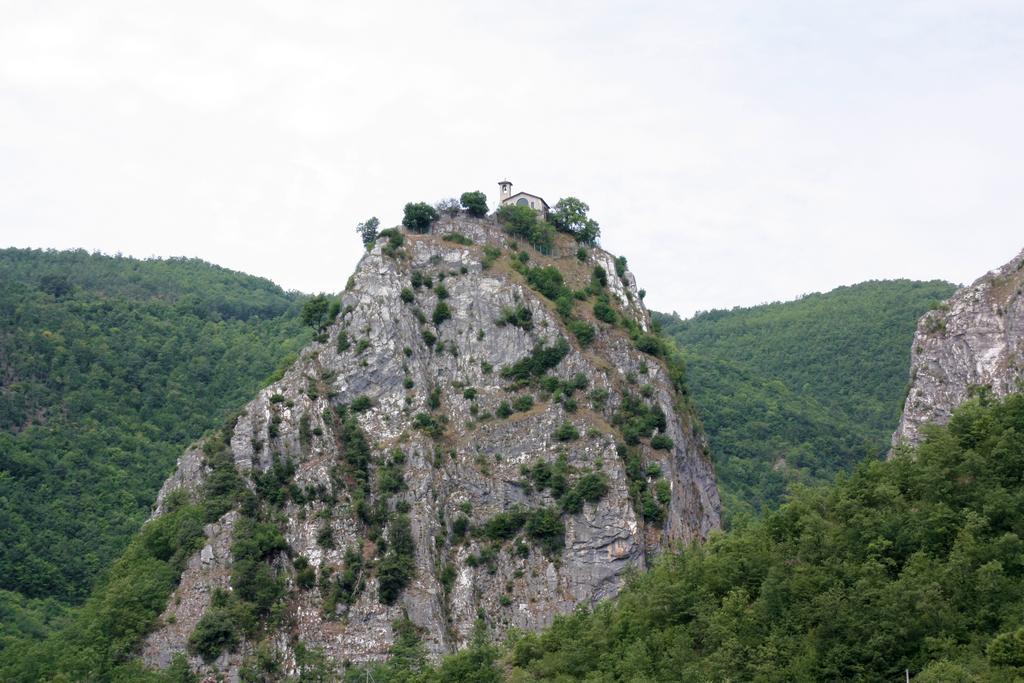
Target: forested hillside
x: 912, y: 564
x: 109, y: 366
x: 796, y: 391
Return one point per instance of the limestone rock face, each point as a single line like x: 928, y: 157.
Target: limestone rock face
x: 380, y: 348
x: 975, y: 340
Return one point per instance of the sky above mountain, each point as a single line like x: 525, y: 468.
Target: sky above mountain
x: 735, y: 152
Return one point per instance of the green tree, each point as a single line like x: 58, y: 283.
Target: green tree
x: 1007, y: 649
x: 475, y: 203
x: 315, y: 310
x: 570, y: 215
x: 476, y: 664
x: 441, y: 313
x: 398, y: 567
x: 368, y: 231
x: 519, y: 220
x: 419, y: 217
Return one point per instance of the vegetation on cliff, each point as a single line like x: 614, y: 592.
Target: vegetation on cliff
x: 913, y: 564
x: 909, y: 564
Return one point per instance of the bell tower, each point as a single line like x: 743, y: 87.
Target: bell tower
x: 504, y: 191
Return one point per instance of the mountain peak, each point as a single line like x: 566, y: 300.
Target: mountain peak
x: 483, y: 432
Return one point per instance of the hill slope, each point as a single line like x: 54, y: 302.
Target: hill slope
x: 109, y: 367
x: 799, y: 390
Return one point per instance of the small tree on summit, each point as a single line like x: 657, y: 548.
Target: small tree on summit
x: 570, y: 215
x: 368, y: 231
x: 475, y: 203
x: 419, y: 216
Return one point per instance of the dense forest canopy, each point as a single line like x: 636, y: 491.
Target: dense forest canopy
x: 797, y: 391
x: 110, y: 366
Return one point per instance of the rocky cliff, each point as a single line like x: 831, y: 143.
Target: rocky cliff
x: 483, y: 433
x: 972, y: 342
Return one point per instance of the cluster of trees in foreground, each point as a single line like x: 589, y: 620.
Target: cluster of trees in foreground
x: 915, y: 564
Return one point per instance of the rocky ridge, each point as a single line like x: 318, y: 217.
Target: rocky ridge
x: 448, y: 418
x: 974, y: 342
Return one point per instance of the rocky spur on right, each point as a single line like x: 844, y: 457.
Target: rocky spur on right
x: 972, y: 344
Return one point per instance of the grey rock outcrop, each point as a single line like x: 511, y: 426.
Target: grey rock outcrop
x: 973, y: 341
x: 380, y: 348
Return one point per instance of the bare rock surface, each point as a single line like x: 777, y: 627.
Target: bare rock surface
x: 379, y: 349
x: 973, y: 342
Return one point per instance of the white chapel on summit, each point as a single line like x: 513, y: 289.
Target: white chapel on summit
x: 505, y: 196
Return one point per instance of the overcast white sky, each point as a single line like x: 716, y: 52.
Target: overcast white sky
x: 735, y: 152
